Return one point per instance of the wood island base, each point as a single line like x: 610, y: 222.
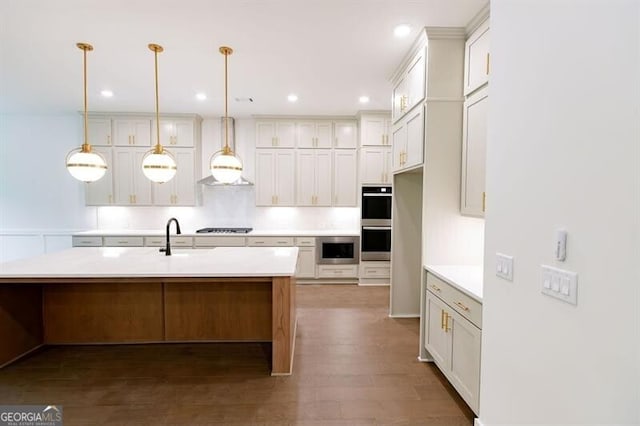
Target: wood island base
x: 44, y: 311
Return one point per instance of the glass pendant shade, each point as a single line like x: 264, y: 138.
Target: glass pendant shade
x: 86, y: 166
x: 225, y: 166
x: 159, y: 167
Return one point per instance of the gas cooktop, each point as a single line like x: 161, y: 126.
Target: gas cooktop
x: 225, y: 230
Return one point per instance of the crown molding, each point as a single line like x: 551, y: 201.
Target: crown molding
x: 438, y: 33
x: 479, y: 19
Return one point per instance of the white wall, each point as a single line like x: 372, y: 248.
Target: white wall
x: 563, y: 151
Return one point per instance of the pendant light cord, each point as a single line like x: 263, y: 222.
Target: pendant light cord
x: 158, y: 146
x: 85, y: 146
x: 226, y: 111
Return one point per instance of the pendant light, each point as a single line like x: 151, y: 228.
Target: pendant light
x: 83, y: 163
x: 158, y: 165
x: 225, y: 166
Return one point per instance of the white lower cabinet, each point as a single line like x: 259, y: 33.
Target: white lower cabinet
x: 452, y: 340
x: 337, y: 271
x: 123, y: 241
x: 80, y: 241
x: 209, y: 241
x: 270, y: 241
x: 306, y: 262
x: 375, y: 269
x: 175, y: 240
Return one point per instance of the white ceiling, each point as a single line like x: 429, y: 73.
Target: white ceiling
x: 329, y: 52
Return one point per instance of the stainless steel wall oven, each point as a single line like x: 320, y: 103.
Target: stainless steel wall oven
x: 376, y: 223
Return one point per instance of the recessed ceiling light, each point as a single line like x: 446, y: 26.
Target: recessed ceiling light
x: 363, y: 99
x: 107, y: 93
x: 201, y: 96
x: 292, y: 97
x: 401, y: 30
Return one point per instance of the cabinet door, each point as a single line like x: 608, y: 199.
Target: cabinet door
x: 306, y: 267
x: 474, y: 140
x: 99, y: 130
x: 477, y: 60
x: 306, y: 134
x: 265, y: 134
x: 285, y: 134
x: 141, y: 185
x: 374, y: 131
x: 388, y: 161
x: 415, y: 138
x: 181, y: 189
x: 323, y: 177
x: 100, y: 192
x: 184, y: 130
x: 284, y: 177
x: 345, y: 178
x: 436, y: 339
x: 306, y: 177
x: 399, y: 99
x: 346, y: 134
x: 123, y: 160
x: 323, y: 134
x: 372, y: 164
x: 416, y: 80
x: 465, y: 358
x: 399, y: 137
x: 132, y: 132
x: 174, y: 133
x: 265, y: 177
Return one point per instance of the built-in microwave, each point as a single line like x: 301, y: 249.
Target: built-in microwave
x: 337, y: 250
x: 376, y: 206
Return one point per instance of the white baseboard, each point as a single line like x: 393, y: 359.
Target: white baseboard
x: 405, y: 316
x: 477, y: 422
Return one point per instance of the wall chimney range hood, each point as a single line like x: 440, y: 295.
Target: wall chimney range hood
x: 210, y: 180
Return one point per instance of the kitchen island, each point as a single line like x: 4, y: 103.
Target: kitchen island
x: 116, y: 295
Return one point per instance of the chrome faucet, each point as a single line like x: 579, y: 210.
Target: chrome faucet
x: 167, y: 250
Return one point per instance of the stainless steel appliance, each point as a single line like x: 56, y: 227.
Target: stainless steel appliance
x: 376, y: 223
x: 337, y: 250
x: 376, y: 206
x: 224, y: 230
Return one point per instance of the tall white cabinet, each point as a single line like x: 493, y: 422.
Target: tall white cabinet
x: 375, y: 148
x: 275, y: 171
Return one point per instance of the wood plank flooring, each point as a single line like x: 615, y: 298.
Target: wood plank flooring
x: 353, y: 366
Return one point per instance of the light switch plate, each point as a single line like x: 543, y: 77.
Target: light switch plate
x: 504, y: 266
x: 560, y: 284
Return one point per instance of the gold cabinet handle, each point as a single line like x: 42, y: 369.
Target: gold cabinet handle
x: 110, y: 199
x: 435, y: 287
x: 446, y: 322
x: 487, y: 64
x: 484, y: 201
x: 442, y: 314
x: 133, y: 139
x: 108, y: 139
x: 461, y: 305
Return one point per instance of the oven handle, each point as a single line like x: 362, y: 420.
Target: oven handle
x: 376, y: 195
x: 376, y: 228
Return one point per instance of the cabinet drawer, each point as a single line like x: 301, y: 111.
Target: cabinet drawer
x: 375, y: 270
x: 463, y: 304
x: 123, y: 241
x: 86, y: 241
x: 218, y: 241
x: 162, y: 241
x: 337, y: 271
x: 305, y: 241
x: 269, y: 241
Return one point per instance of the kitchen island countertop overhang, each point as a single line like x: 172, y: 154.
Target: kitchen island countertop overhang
x: 137, y: 295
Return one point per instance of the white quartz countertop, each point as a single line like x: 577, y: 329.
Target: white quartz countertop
x: 466, y: 278
x: 99, y: 262
x: 192, y: 233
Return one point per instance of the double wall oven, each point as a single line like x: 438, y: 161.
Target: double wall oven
x: 376, y: 223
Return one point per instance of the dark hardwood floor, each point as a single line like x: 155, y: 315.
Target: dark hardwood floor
x: 353, y: 366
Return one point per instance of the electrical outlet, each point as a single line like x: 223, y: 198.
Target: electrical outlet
x: 504, y: 266
x: 560, y: 284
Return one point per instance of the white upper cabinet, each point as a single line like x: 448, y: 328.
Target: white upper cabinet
x: 477, y: 59
x: 313, y: 177
x: 275, y: 134
x: 174, y: 133
x: 131, y: 186
x: 130, y: 132
x: 375, y: 164
x: 99, y: 131
x: 345, y: 178
x: 179, y: 191
x: 314, y: 134
x: 100, y: 192
x: 410, y: 85
x: 275, y: 177
x: 408, y: 141
x: 345, y: 134
x: 375, y: 130
x: 474, y: 144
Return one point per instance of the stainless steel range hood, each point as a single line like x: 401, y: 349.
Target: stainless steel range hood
x: 210, y: 180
